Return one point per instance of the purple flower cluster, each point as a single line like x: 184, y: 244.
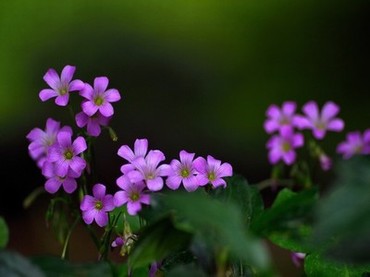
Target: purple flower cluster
x: 144, y: 174
x: 284, y: 121
x: 57, y: 156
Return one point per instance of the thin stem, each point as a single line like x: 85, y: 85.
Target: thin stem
x: 93, y: 236
x: 272, y: 183
x: 66, y: 242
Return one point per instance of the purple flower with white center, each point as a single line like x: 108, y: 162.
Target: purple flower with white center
x: 325, y: 162
x: 321, y: 122
x: 355, y: 144
x: 281, y: 118
x: 99, y: 98
x: 60, y: 87
x: 212, y: 171
x: 298, y: 258
x: 54, y: 181
x: 65, y: 154
x: 93, y: 122
x: 41, y: 140
x: 184, y: 172
x: 119, y: 241
x: 132, y: 194
x: 140, y: 150
x: 96, y: 207
x: 148, y: 170
x: 282, y: 146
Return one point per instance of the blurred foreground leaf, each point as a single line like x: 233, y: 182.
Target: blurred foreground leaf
x: 15, y: 265
x: 4, y: 233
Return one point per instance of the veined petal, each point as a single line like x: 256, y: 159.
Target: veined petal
x: 141, y: 147
x: 155, y: 184
x: 62, y: 100
x: 77, y: 164
x: 190, y: 183
x: 125, y: 152
x: 67, y: 74
x: 87, y: 91
x: 329, y: 110
x: 311, y: 110
x: 124, y: 183
x: 106, y: 109
x: 133, y: 207
x: 120, y: 198
x: 108, y: 204
x: 112, y: 95
x: 200, y: 165
x: 126, y: 168
x: 64, y: 139
x: 48, y: 169
x: 100, y: 84
x: 101, y: 218
x: 213, y: 164
x: 79, y: 145
x: 218, y: 183
x: 52, y: 185
x: 35, y: 134
x: 61, y: 167
x: 202, y: 179
x: 76, y: 85
x: 52, y: 126
x: 135, y: 176
x: 69, y: 185
x: 81, y: 119
x: 173, y: 182
x: 145, y: 198
x: 225, y: 170
x: 51, y: 77
x: 87, y: 203
x: 165, y: 170
x: 99, y: 191
x: 89, y: 216
x: 93, y: 128
x: 154, y: 157
x: 46, y: 94
x: 186, y: 158
x: 89, y: 107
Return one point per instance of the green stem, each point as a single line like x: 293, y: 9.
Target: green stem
x: 272, y: 182
x: 66, y: 242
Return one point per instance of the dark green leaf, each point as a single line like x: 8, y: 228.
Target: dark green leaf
x: 56, y: 267
x: 156, y: 242
x: 4, y: 233
x: 186, y: 271
x: 15, y: 265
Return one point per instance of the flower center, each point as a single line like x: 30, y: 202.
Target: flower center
x: 184, y: 172
x: 320, y: 125
x: 211, y: 176
x: 150, y: 176
x: 63, y: 90
x: 98, y: 100
x: 68, y: 155
x: 135, y: 196
x: 284, y: 120
x: 286, y: 147
x: 98, y: 205
x: 358, y: 149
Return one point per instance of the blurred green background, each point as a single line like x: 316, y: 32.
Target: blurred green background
x: 195, y: 75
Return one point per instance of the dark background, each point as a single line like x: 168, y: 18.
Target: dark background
x: 194, y: 75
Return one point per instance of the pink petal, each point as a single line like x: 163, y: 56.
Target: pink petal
x: 108, y: 204
x: 190, y: 183
x: 77, y: 164
x: 273, y: 111
x: 106, y: 109
x: 133, y: 207
x: 213, y: 164
x: 69, y: 185
x: 101, y: 218
x: 89, y: 108
x: 120, y: 198
x: 155, y: 184
x: 301, y: 122
x: 35, y: 134
x: 81, y: 119
x: 319, y: 133
x: 67, y: 74
x: 202, y: 180
x: 76, y: 85
x: 64, y: 139
x: 99, y: 191
x: 46, y: 94
x: 62, y: 100
x: 288, y: 108
x: 125, y: 152
x: 173, y: 182
x: 51, y: 77
x: 271, y: 125
x: 329, y: 110
x: 336, y: 125
x: 311, y: 110
x: 52, y: 126
x: 89, y: 216
x: 141, y: 147
x: 93, y: 128
x: 200, y: 165
x: 218, y: 183
x: 186, y: 158
x: 87, y: 203
x: 154, y: 157
x: 225, y: 170
x: 100, y: 84
x: 289, y: 157
x: 87, y: 92
x: 52, y: 185
x: 79, y: 145
x: 112, y: 95
x: 145, y: 198
x: 274, y: 156
x: 61, y: 168
x: 124, y: 182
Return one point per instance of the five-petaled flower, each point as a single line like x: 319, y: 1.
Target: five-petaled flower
x: 211, y: 171
x: 355, y: 144
x: 132, y: 194
x: 182, y: 171
x: 65, y: 154
x: 318, y: 122
x: 93, y: 122
x: 281, y: 146
x: 96, y: 207
x: 54, y: 181
x: 281, y: 118
x: 60, y: 86
x: 99, y: 98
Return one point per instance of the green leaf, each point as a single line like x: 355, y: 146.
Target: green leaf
x: 343, y: 225
x: 156, y: 242
x: 56, y: 267
x: 247, y: 198
x: 4, y: 233
x: 121, y: 213
x: 288, y: 222
x: 185, y: 271
x: 217, y: 223
x: 14, y: 265
x: 317, y: 266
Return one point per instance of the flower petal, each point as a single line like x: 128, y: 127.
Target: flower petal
x: 87, y: 91
x: 106, y: 109
x: 46, y: 94
x: 155, y: 184
x: 154, y: 157
x: 69, y: 185
x: 311, y: 110
x: 120, y: 198
x: 173, y: 182
x: 100, y: 84
x: 112, y: 95
x: 67, y: 74
x: 89, y: 216
x: 99, y: 191
x: 329, y: 110
x: 289, y: 108
x: 225, y: 170
x: 52, y: 185
x: 190, y: 183
x: 81, y: 119
x: 336, y: 125
x: 87, y: 203
x: 101, y: 218
x: 89, y: 108
x: 133, y: 207
x: 79, y: 145
x: 62, y: 100
x: 141, y: 147
x: 64, y: 139
x: 51, y: 77
x: 93, y: 128
x: 76, y: 85
x: 125, y: 152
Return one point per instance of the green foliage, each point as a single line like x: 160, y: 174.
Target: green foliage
x: 343, y: 226
x: 4, y: 233
x: 14, y: 265
x: 288, y: 222
x: 317, y: 266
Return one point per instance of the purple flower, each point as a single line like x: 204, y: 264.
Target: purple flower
x: 132, y: 193
x: 282, y: 146
x: 212, y: 171
x: 140, y: 150
x: 298, y: 258
x: 183, y: 171
x: 154, y: 268
x: 325, y: 162
x: 119, y: 241
x: 54, y: 181
x: 99, y: 98
x: 93, y: 122
x: 41, y: 140
x: 60, y: 87
x: 320, y: 122
x: 281, y: 118
x: 64, y: 154
x: 148, y: 170
x: 355, y: 144
x: 96, y: 207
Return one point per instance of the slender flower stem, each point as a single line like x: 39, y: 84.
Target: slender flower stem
x: 273, y: 182
x: 65, y: 246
